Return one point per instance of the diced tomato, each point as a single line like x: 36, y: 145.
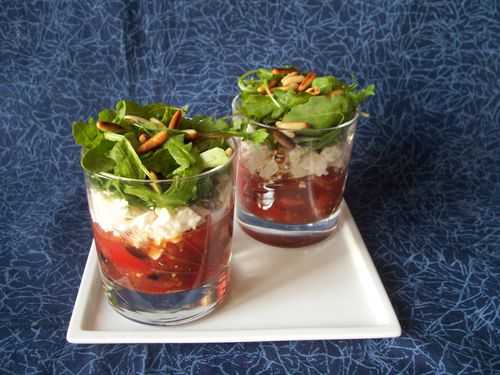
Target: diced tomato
x: 115, y: 250
x: 197, y: 257
x: 291, y: 200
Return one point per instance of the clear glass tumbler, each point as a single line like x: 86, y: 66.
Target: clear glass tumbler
x: 289, y: 189
x: 163, y: 266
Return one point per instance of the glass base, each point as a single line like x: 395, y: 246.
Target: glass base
x: 168, y: 308
x: 287, y: 235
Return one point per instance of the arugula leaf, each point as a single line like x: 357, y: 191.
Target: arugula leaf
x: 327, y: 84
x: 86, y: 134
x: 328, y: 139
x: 360, y: 96
x: 175, y: 196
x: 180, y: 192
x: 107, y: 115
x: 184, y: 155
x: 259, y: 107
x: 321, y: 112
x: 204, y: 124
x: 115, y: 155
x: 96, y: 159
x: 127, y: 162
x: 180, y: 152
x: 248, y: 85
x: 205, y: 187
x: 127, y: 107
x: 213, y: 158
x: 207, y: 143
x: 148, y: 127
x: 265, y: 74
x: 160, y: 111
x: 258, y: 136
x: 289, y: 99
x: 159, y: 161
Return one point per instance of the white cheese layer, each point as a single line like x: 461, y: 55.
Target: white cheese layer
x: 302, y: 161
x: 140, y: 225
x: 259, y: 159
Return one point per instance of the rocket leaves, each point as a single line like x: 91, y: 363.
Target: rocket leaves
x: 333, y: 103
x: 113, y: 162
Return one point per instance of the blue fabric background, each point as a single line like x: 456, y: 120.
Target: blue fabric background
x: 424, y: 186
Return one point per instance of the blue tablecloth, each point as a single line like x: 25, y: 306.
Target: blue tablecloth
x: 424, y: 185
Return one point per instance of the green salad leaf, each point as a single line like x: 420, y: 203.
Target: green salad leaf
x: 178, y: 194
x: 358, y: 97
x: 181, y: 192
x: 260, y: 107
x: 127, y: 162
x: 258, y: 136
x: 160, y: 161
x: 321, y: 112
x: 107, y: 115
x: 97, y: 160
x: 86, y: 134
x: 114, y: 151
x: 214, y: 157
x: 204, y: 124
x: 183, y: 154
x: 323, y: 103
x: 326, y: 84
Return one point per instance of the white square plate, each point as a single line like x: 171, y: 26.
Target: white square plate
x: 330, y: 290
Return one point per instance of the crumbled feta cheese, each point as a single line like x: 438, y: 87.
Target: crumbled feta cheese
x: 259, y: 159
x: 110, y: 213
x: 302, y: 161
x: 140, y: 225
x: 334, y: 156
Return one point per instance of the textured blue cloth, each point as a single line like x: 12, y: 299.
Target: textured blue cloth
x: 424, y: 186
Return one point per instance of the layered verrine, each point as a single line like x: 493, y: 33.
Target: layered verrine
x: 290, y: 183
x: 160, y: 193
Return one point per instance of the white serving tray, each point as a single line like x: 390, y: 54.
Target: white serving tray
x: 330, y: 290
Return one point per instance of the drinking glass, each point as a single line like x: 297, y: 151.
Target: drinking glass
x: 290, y: 188
x: 163, y: 265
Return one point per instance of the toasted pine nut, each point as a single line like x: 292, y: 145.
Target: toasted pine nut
x: 262, y: 88
x: 157, y: 122
x: 142, y: 138
x: 307, y: 81
x: 292, y: 86
x: 228, y: 151
x: 283, y: 139
x: 109, y: 127
x: 175, y: 120
x: 155, y: 141
x: 190, y: 134
x: 283, y: 70
x: 288, y: 80
x: 313, y: 91
x: 280, y: 88
x: 337, y: 92
x: 153, y: 177
x: 291, y: 125
x: 136, y: 119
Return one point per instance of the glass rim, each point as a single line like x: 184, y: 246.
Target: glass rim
x: 253, y: 122
x: 110, y: 176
